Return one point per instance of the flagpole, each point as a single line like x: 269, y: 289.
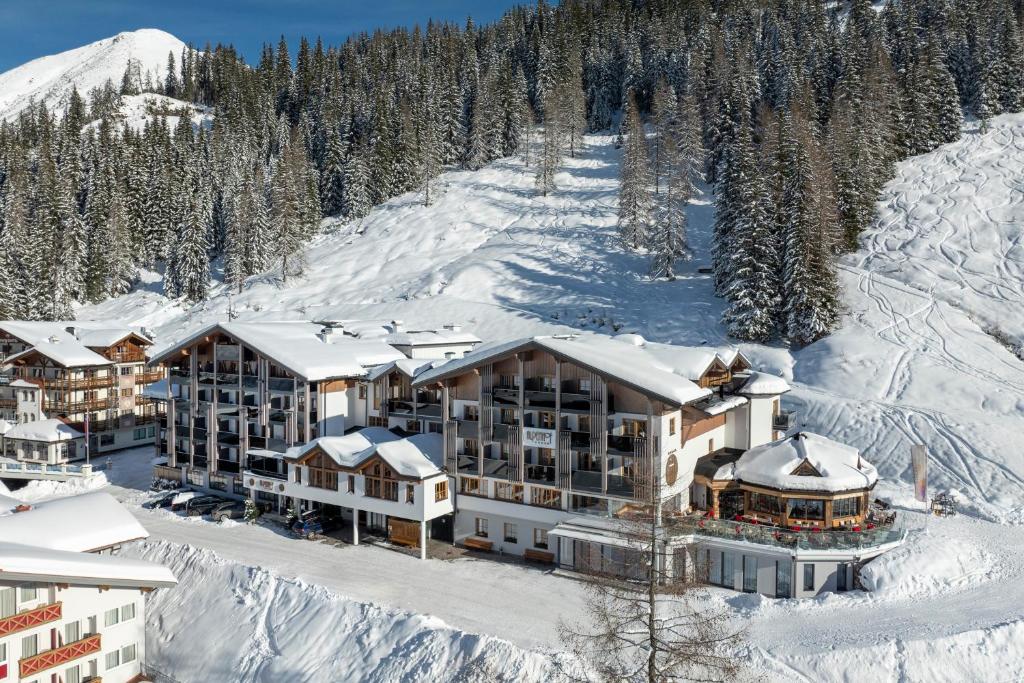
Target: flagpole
x: 87, y: 438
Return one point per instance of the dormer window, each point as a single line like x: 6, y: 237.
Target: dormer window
x: 806, y: 469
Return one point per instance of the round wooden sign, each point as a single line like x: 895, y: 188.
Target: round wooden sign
x: 671, y: 470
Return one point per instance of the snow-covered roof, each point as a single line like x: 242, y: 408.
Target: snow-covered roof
x: 717, y: 406
x: 50, y: 431
x: 764, y: 384
x: 88, y: 522
x: 19, y: 562
x: 67, y: 342
x: 440, y: 337
x: 299, y: 347
x: 417, y: 455
x: 833, y: 466
x: 6, y: 426
x: 23, y: 384
x: 410, y: 367
x: 658, y: 370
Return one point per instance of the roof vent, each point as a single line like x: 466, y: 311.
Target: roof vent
x: 449, y: 355
x: 325, y: 334
x: 396, y: 325
x: 452, y: 327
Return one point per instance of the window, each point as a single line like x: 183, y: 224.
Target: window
x: 711, y: 445
x: 113, y: 659
x: 128, y: 611
x: 471, y: 412
x: 728, y: 571
x: 481, y: 527
x: 106, y: 439
x: 441, y: 491
x: 671, y: 426
x: 72, y: 631
x: 410, y: 493
x: 585, y: 386
x: 749, y: 574
x: 510, y: 492
x: 111, y: 617
x: 714, y: 570
x: 297, y: 474
x: 29, y: 646
x: 540, y: 538
x: 511, y: 533
x: 126, y: 393
x: 846, y: 507
x: 470, y: 486
x: 584, y: 422
x: 73, y: 675
x: 390, y: 490
x: 547, y: 498
x: 760, y: 502
x: 128, y: 653
x: 546, y: 420
x: 842, y: 573
x: 127, y: 370
x: 351, y: 483
x: 782, y: 587
x: 7, y: 603
x: 808, y: 577
x: 29, y: 592
x: 805, y: 508
x: 139, y: 434
x: 362, y: 391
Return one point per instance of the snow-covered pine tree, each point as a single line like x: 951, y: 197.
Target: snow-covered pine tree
x: 332, y: 178
x: 635, y: 205
x: 551, y: 147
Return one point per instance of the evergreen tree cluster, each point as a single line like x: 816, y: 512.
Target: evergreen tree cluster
x: 794, y: 111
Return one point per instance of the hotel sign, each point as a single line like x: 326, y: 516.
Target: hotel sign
x: 538, y: 438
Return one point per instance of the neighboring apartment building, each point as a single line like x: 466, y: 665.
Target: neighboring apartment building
x: 70, y: 611
x: 82, y: 371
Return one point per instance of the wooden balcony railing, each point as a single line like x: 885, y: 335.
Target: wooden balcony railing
x: 29, y: 666
x: 149, y: 376
x: 30, y: 619
x: 84, y: 382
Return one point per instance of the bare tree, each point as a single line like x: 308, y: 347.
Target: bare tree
x: 649, y: 620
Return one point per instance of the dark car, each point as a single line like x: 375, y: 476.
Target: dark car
x: 232, y: 509
x: 202, y: 505
x: 181, y: 499
x: 160, y: 500
x: 312, y: 523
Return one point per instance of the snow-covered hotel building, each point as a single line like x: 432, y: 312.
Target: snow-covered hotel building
x: 541, y: 447
x: 72, y: 371
x: 70, y: 611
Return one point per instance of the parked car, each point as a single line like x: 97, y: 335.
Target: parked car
x: 181, y: 499
x: 311, y: 523
x: 161, y: 500
x: 164, y: 485
x: 232, y: 509
x: 202, y: 505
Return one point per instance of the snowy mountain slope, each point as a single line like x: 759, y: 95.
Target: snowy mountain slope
x: 50, y: 79
x: 136, y: 110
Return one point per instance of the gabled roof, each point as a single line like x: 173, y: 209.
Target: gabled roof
x: 410, y: 367
x: 764, y: 384
x: 68, y: 342
x: 297, y: 347
x: 83, y: 523
x: 789, y: 464
x: 107, y: 337
x: 660, y: 371
x: 49, y: 431
x: 68, y: 353
x: 416, y: 456
x: 20, y: 562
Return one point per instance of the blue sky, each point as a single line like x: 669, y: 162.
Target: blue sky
x: 33, y: 29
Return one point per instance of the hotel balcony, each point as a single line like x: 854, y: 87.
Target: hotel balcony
x: 30, y: 619
x: 784, y: 421
x: 30, y: 666
x: 468, y: 429
x: 764, y: 534
x: 587, y: 481
x: 623, y: 444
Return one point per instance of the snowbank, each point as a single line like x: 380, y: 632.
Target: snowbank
x: 286, y: 630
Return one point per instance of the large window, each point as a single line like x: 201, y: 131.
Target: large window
x: 481, y: 527
x: 749, y: 574
x: 73, y: 674
x: 72, y: 632
x: 511, y: 533
x: 7, y: 602
x: 113, y: 659
x: 804, y: 508
x: 111, y: 617
x: 470, y: 486
x: 808, y: 577
x: 760, y: 502
x: 510, y: 492
x: 128, y: 611
x: 782, y: 579
x: 128, y: 653
x: 728, y: 570
x: 441, y: 491
x: 846, y: 507
x: 29, y: 645
x: 410, y: 493
x: 29, y: 592
x: 540, y: 539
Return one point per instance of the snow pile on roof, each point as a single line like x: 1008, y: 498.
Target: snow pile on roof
x: 763, y: 384
x: 840, y: 466
x: 717, y: 406
x: 649, y: 368
x: 49, y: 431
x: 22, y: 384
x: 410, y: 367
x: 89, y: 522
x: 50, y: 79
x: 418, y: 455
x: 25, y: 562
x: 6, y: 426
x: 437, y: 337
x: 300, y: 347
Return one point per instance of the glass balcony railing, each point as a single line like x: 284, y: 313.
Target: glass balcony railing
x: 784, y: 538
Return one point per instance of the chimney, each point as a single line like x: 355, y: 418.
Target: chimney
x: 396, y: 325
x: 325, y: 334
x: 53, y: 339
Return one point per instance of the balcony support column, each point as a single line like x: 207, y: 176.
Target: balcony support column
x: 423, y: 540
x: 355, y: 526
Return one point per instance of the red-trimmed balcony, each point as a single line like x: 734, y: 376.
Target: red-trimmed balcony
x: 29, y: 666
x: 30, y: 619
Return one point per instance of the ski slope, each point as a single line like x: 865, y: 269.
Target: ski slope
x: 51, y: 79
